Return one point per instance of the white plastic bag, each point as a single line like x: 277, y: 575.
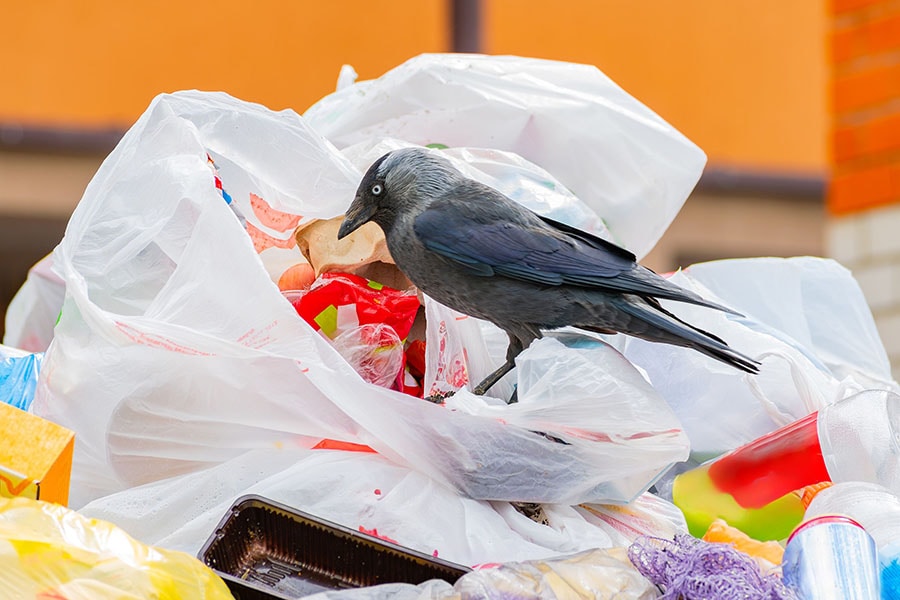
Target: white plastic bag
x: 507, y: 172
x: 798, y: 313
x: 32, y: 313
x: 364, y: 490
x: 597, y: 574
x: 175, y: 351
x: 583, y: 396
x: 584, y: 392
x: 631, y: 167
x: 814, y: 301
x: 457, y: 355
x: 169, y: 313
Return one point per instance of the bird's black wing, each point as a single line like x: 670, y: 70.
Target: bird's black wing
x: 509, y: 240
x: 498, y: 237
x: 589, y: 238
x: 506, y: 249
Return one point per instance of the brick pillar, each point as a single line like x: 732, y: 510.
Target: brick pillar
x: 864, y: 192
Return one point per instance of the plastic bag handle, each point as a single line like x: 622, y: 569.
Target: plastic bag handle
x: 801, y: 383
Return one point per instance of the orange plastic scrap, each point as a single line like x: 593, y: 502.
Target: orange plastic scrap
x: 329, y: 444
x: 721, y: 532
x: 809, y: 492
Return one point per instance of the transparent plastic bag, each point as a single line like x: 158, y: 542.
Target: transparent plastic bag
x: 815, y: 302
x: 507, y: 172
x: 798, y: 312
x: 457, y: 354
x: 626, y: 163
x: 49, y: 551
x: 364, y: 490
x: 33, y: 311
x: 585, y: 400
x: 599, y: 574
x: 374, y: 351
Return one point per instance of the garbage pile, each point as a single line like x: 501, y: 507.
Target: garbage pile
x: 209, y: 369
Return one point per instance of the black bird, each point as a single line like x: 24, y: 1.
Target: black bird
x: 473, y: 249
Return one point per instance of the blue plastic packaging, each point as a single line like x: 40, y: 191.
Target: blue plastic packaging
x: 890, y: 571
x: 18, y: 379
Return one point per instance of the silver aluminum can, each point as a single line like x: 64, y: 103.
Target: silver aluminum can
x: 831, y: 557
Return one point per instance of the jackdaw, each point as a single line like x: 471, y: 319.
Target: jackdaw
x: 473, y: 249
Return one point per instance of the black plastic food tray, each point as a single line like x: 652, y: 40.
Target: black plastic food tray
x: 265, y: 550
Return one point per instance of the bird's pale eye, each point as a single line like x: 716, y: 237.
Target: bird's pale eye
x: 377, y: 189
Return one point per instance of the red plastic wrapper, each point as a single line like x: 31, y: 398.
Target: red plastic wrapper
x: 337, y: 302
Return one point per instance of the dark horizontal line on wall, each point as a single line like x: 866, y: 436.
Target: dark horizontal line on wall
x: 730, y: 180
x: 58, y: 140
x: 748, y: 182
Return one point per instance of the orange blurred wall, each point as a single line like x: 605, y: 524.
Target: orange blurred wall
x: 100, y: 62
x: 744, y: 79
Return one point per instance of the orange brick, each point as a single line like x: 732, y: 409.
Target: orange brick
x: 846, y: 143
x: 864, y: 188
x: 842, y: 6
x: 847, y: 43
x: 882, y: 135
x: 877, y: 136
x: 866, y: 38
x: 883, y: 34
x: 867, y: 87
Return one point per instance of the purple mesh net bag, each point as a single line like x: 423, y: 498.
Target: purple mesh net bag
x: 691, y: 569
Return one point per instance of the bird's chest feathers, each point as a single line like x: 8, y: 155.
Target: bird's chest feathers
x: 438, y: 277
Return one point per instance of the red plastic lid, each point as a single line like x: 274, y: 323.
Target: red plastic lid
x: 821, y: 520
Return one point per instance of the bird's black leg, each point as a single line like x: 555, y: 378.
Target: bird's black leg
x: 494, y: 377
x: 516, y: 345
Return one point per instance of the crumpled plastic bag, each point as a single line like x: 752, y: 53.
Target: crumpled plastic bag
x: 813, y: 301
x: 48, y: 551
x: 521, y: 180
x: 631, y: 167
x: 32, y: 312
x: 598, y: 574
x: 805, y: 319
x: 364, y: 490
x: 568, y: 381
x: 375, y: 351
x: 175, y: 351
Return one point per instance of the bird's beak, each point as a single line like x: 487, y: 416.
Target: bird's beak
x: 357, y: 215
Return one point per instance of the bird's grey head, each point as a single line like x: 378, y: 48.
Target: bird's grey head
x: 400, y: 182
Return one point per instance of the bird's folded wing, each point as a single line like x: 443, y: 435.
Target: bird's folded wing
x: 511, y: 241
x: 532, y: 251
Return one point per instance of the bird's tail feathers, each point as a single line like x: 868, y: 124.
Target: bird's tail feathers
x: 669, y: 328
x: 646, y: 283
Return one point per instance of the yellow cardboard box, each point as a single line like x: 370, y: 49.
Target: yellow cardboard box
x: 35, y: 456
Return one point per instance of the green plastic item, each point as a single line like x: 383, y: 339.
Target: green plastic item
x: 702, y: 503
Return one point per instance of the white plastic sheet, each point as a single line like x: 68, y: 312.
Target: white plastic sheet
x: 360, y: 489
x: 507, y: 172
x: 32, y: 313
x: 631, y: 167
x: 805, y: 318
